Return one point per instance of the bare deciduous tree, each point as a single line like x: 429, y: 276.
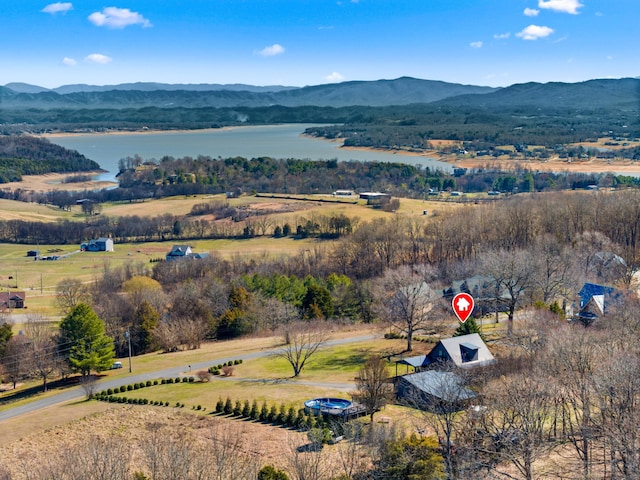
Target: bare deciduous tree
x: 512, y: 272
x: 406, y: 300
x: 69, y: 293
x: 42, y: 347
x: 374, y: 387
x: 304, y: 340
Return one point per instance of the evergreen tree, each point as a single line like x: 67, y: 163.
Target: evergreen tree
x: 83, y: 342
x: 470, y: 326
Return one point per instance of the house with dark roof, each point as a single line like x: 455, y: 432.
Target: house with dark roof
x: 595, y: 301
x: 10, y: 300
x: 433, y: 390
x: 465, y: 351
x: 179, y: 251
x: 184, y: 251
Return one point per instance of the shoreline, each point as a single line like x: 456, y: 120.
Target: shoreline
x: 54, y: 181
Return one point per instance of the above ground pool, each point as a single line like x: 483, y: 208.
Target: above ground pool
x: 324, y: 404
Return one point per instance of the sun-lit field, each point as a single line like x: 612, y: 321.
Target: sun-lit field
x: 39, y: 278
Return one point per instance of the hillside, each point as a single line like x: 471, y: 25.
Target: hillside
x: 401, y: 91
x: 606, y: 93
x: 24, y: 155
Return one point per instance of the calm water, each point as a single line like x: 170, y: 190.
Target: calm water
x: 277, y: 141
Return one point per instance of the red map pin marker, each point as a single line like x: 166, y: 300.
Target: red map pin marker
x: 462, y: 306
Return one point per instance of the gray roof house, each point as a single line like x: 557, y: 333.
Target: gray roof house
x: 433, y: 390
x: 465, y: 351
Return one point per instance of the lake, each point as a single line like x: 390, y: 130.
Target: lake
x: 276, y: 141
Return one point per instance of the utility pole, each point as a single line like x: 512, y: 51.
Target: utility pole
x: 128, y: 337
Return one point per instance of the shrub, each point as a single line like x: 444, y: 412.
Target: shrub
x: 169, y: 380
x: 219, y: 366
x: 216, y: 371
x: 177, y: 380
x: 246, y: 409
x: 191, y: 379
x: 163, y: 381
x: 236, y: 362
x: 199, y: 407
x: 149, y: 383
x: 290, y: 419
x: 264, y: 412
x: 203, y: 375
x: 269, y: 473
x: 273, y: 414
x: 177, y: 404
x: 254, y: 413
x: 237, y: 409
x: 109, y: 391
x: 166, y: 404
x: 136, y: 386
x: 155, y: 382
x: 227, y: 370
x: 228, y: 407
x: 219, y: 406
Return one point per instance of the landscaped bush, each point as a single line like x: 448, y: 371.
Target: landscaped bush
x: 246, y: 409
x: 237, y: 409
x: 269, y: 473
x: 136, y: 386
x: 123, y: 388
x: 227, y: 370
x: 254, y: 413
x: 219, y: 406
x: 228, y: 407
x: 264, y: 412
x: 149, y: 383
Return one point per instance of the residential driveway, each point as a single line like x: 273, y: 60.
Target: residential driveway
x: 78, y: 393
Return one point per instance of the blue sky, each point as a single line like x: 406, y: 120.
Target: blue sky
x: 310, y: 42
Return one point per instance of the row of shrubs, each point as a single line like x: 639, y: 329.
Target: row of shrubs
x: 148, y: 383
x: 103, y: 396
x: 226, y: 368
x: 282, y: 415
x: 400, y: 336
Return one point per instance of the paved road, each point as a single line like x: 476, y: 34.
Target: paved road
x: 78, y: 392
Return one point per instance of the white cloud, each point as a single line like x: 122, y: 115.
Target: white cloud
x: 502, y: 36
x: 113, y: 17
x: 534, y: 32
x: 58, y: 7
x: 97, y: 58
x: 531, y: 12
x: 271, y: 50
x: 565, y: 6
x: 70, y: 62
x: 334, y: 77
x: 475, y: 44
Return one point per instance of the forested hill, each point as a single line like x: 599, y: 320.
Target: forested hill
x: 25, y: 155
x: 593, y: 94
x: 401, y: 91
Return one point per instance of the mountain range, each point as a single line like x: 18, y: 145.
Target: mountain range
x: 602, y: 93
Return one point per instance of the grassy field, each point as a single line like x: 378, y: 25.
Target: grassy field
x: 267, y: 379
x: 39, y: 278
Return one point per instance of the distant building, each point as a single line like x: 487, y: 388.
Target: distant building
x: 344, y: 193
x: 184, y: 251
x: 12, y: 300
x: 98, y: 245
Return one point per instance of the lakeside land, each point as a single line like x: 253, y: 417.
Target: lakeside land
x: 619, y: 166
